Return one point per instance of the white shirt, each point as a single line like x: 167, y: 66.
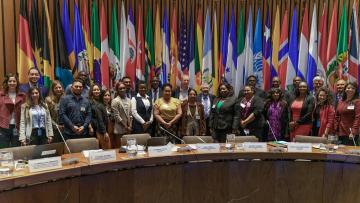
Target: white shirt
x: 183, y: 94
x: 38, y: 116
x: 153, y: 91
x: 134, y: 112
x: 206, y: 104
x: 12, y: 96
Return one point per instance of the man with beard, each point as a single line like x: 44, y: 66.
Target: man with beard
x: 75, y: 112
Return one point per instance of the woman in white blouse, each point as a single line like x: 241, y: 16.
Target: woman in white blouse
x: 142, y: 111
x: 35, y: 120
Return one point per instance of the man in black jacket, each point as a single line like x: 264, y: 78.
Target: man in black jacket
x: 251, y: 81
x: 206, y: 99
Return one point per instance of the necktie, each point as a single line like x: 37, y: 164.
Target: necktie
x: 155, y: 95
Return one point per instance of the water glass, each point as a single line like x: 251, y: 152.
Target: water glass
x: 332, y: 141
x: 131, y: 147
x: 230, y: 141
x: 6, y: 163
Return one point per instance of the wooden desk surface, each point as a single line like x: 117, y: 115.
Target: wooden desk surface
x: 173, y: 166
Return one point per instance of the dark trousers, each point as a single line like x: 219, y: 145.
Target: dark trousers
x: 8, y: 137
x: 219, y: 135
x: 346, y: 140
x: 37, y: 137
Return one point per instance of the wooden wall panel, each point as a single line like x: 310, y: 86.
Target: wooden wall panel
x: 9, y: 14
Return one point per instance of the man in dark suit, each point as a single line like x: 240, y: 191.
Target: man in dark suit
x: 155, y: 92
x: 276, y: 83
x: 34, y: 76
x: 340, y: 90
x: 206, y: 99
x: 181, y: 92
x: 251, y: 81
x: 127, y: 82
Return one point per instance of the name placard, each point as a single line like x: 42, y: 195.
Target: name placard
x: 160, y: 150
x: 255, y: 147
x: 48, y: 152
x: 211, y: 147
x: 102, y: 156
x: 45, y: 164
x: 299, y: 147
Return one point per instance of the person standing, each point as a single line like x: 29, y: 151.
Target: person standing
x: 106, y: 101
x: 347, y: 116
x: 154, y: 93
x: 53, y: 102
x: 206, y: 99
x: 75, y: 112
x: 181, y: 92
x: 10, y: 107
x: 35, y: 121
x: 34, y: 77
x: 324, y: 113
x: 252, y: 81
x: 142, y: 110
x: 128, y: 85
x: 121, y: 108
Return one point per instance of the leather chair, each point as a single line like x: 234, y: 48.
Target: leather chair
x: 197, y: 139
x: 141, y: 139
x: 310, y: 139
x: 250, y: 138
x: 156, y: 141
x: 23, y: 152
x: 79, y: 145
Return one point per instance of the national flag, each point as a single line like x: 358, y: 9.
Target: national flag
x: 95, y: 38
x: 268, y: 71
x: 62, y: 66
x: 140, y: 48
x: 34, y: 29
x: 322, y: 44
x: 174, y: 51
x: 124, y: 42
x: 353, y: 73
x: 131, y: 63
x: 198, y: 50
x: 304, y: 46
x: 87, y: 39
x: 249, y: 47
x: 313, y: 50
x: 215, y: 69
x: 183, y: 47
x: 47, y: 51
x: 342, y: 48
x: 207, y: 53
x: 104, y: 67
x: 114, y: 45
x: 230, y: 69
x: 292, y: 65
x: 24, y: 51
x: 165, y: 69
x: 69, y: 42
x: 331, y: 48
x: 157, y: 40
x: 258, y: 67
x: 149, y: 47
x: 275, y: 45
x: 223, y: 51
x: 81, y: 57
x: 192, y: 52
x: 240, y: 64
x: 283, y: 51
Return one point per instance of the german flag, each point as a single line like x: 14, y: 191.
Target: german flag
x: 47, y: 52
x: 24, y: 51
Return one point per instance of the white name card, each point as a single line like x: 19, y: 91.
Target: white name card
x: 160, y: 150
x: 215, y: 147
x: 48, y: 152
x: 102, y: 156
x: 299, y: 147
x: 255, y: 147
x: 37, y: 165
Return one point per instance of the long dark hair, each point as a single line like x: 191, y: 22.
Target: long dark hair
x: 91, y: 94
x: 329, y: 98
x: 356, y: 95
x: 29, y: 101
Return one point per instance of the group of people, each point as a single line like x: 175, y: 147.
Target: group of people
x: 30, y: 114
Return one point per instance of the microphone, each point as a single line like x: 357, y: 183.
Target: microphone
x: 272, y: 132
x: 172, y: 135
x: 199, y: 138
x: 70, y: 160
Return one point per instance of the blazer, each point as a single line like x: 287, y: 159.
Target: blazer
x: 211, y: 97
x: 347, y: 118
x: 99, y: 118
x: 176, y: 93
x: 122, y: 116
x: 306, y: 110
x: 226, y: 118
x: 284, y: 117
x: 327, y: 116
x: 185, y: 117
x: 149, y: 93
x: 256, y: 107
x: 7, y: 107
x: 25, y: 88
x: 26, y: 123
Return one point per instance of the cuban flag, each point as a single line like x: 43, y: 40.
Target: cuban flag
x: 304, y: 46
x: 249, y: 47
x: 258, y: 66
x: 230, y: 69
x: 293, y: 51
x: 313, y: 51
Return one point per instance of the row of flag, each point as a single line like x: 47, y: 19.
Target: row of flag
x: 193, y: 50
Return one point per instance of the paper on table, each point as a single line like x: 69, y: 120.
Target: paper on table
x: 86, y: 153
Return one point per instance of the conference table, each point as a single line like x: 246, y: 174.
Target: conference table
x: 192, y: 176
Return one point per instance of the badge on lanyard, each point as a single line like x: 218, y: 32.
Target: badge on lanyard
x: 197, y: 117
x: 82, y: 109
x: 213, y: 106
x: 351, y: 107
x: 39, y: 131
x: 242, y: 105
